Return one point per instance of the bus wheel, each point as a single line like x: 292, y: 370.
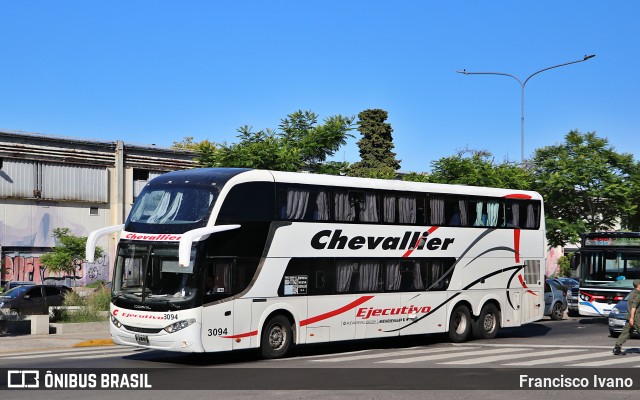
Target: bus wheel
x: 459, y: 324
x: 556, y: 312
x: 277, y: 337
x: 488, y: 323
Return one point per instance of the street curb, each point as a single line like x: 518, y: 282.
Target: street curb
x: 95, y: 343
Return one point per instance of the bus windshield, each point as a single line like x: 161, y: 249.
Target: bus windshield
x: 610, y: 265
x: 172, y: 205
x: 150, y: 272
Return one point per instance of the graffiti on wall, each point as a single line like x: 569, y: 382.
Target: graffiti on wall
x: 27, y: 267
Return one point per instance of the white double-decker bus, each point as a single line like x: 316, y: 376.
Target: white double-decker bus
x: 222, y: 259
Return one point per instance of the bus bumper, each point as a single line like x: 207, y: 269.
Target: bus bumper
x: 187, y: 340
x: 587, y: 309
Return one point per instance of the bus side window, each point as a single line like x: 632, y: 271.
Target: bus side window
x: 411, y: 276
x: 321, y: 274
x: 529, y: 214
x: 438, y: 273
x: 251, y: 201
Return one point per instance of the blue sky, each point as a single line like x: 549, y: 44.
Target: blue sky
x: 153, y: 72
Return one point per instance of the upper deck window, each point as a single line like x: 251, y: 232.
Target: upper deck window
x: 172, y: 205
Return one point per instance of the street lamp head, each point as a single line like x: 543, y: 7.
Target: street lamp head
x: 463, y: 71
x: 588, y: 57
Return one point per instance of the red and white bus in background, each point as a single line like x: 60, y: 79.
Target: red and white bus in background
x: 222, y: 259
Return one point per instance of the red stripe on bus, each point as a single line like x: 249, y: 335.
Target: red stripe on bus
x: 516, y: 243
x: 252, y: 333
x: 517, y: 196
x: 339, y: 311
x: 524, y: 285
x: 415, y: 246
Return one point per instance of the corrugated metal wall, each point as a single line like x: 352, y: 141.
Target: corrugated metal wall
x: 139, y: 185
x: 74, y: 182
x: 17, y: 178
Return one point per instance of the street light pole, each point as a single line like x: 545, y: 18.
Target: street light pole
x: 522, y: 85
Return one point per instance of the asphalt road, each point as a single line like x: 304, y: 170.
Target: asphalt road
x: 574, y: 347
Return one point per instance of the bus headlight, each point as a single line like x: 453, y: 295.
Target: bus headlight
x: 115, y: 321
x: 176, y: 326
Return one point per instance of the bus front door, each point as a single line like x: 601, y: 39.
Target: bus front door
x: 217, y: 314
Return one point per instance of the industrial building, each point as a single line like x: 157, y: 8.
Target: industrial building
x: 49, y: 182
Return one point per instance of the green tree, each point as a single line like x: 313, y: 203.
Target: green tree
x: 631, y: 220
x: 478, y: 168
x: 585, y: 184
x: 564, y: 265
x: 377, y: 160
x: 301, y: 143
x: 68, y: 253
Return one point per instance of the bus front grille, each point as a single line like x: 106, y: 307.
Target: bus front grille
x: 141, y: 330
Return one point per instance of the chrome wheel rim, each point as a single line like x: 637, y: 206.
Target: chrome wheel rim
x: 277, y: 337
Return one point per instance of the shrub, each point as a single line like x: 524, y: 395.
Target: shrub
x: 89, y: 309
x: 564, y: 264
x: 73, y: 299
x: 100, y: 299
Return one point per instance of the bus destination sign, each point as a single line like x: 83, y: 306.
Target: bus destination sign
x: 609, y: 241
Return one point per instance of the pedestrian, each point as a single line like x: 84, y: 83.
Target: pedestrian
x: 633, y: 306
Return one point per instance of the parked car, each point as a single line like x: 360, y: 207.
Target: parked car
x: 555, y: 299
x: 618, y: 317
x: 32, y: 299
x: 12, y: 284
x: 573, y: 291
x: 570, y: 282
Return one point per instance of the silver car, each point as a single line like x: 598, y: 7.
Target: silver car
x: 618, y: 317
x: 555, y: 299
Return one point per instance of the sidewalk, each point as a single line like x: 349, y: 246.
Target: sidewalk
x: 90, y: 336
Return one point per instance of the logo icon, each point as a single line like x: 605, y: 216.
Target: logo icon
x: 17, y: 379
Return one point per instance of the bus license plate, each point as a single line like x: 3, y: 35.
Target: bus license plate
x: 142, y: 339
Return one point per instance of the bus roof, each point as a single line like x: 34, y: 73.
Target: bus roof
x: 219, y: 176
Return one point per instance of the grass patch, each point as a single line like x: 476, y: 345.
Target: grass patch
x: 89, y: 308
x: 96, y: 284
x: 83, y: 314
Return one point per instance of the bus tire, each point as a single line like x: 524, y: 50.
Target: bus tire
x: 459, y: 324
x: 556, y: 312
x: 277, y: 337
x: 488, y: 322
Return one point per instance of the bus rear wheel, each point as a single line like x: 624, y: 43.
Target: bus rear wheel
x: 488, y: 323
x: 277, y: 337
x: 459, y: 324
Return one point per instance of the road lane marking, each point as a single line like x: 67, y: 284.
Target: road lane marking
x: 536, y: 346
x: 387, y: 354
x: 612, y: 361
x: 318, y: 356
x: 92, y: 356
x: 501, y: 357
x: 437, y: 357
x: 561, y: 359
x: 62, y: 354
